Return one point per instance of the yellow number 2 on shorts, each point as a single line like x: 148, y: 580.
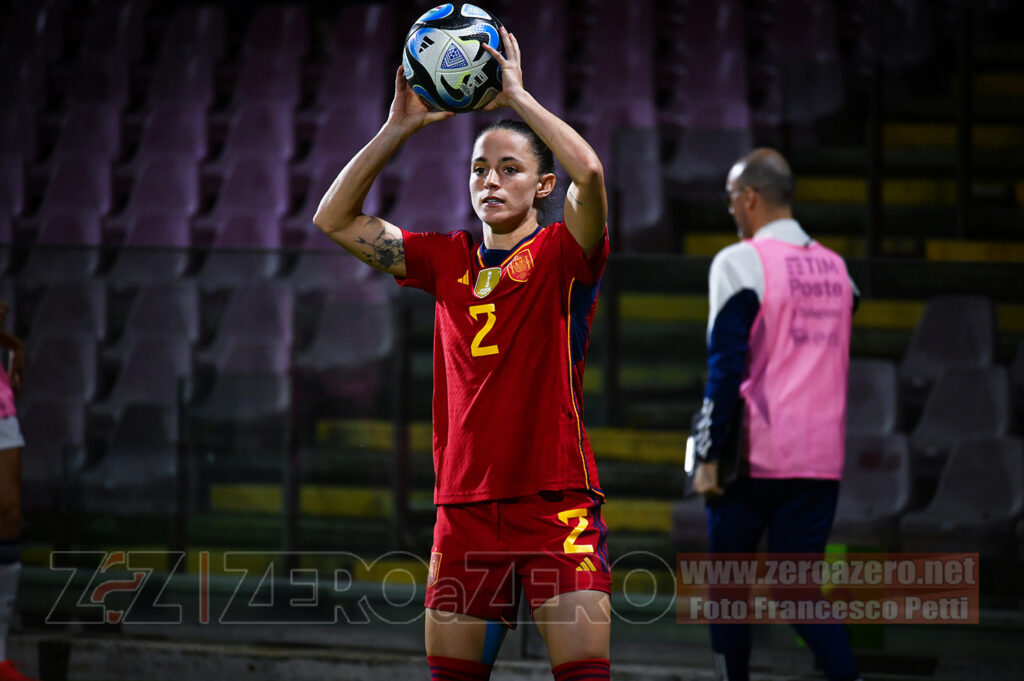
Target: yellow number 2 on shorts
x: 570, y: 542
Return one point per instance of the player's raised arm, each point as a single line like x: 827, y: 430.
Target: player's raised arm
x: 586, y: 202
x: 340, y: 215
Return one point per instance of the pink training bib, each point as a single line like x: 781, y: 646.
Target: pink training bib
x: 6, y: 396
x: 799, y: 357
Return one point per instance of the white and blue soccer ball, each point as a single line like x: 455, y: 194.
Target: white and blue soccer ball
x: 444, y: 61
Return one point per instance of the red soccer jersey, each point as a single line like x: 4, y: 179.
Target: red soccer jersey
x: 510, y: 339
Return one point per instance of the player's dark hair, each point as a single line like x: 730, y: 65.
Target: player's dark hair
x: 545, y: 159
x: 767, y: 172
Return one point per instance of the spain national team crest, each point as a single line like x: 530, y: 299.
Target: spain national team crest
x: 486, y: 281
x: 521, y: 266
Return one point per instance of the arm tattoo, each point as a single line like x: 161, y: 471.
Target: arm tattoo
x: 385, y: 251
x: 575, y: 199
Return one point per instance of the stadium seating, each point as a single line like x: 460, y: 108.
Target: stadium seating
x: 259, y: 312
x: 79, y: 184
x: 136, y: 471
x: 876, y: 490
x: 245, y: 250
x: 89, y: 130
x: 119, y: 29
x: 953, y: 331
x: 1017, y: 383
x: 269, y: 77
x: 979, y: 500
x: 55, y: 427
x: 150, y: 373
x: 872, y: 405
x: 66, y: 249
x: 165, y: 184
x: 152, y: 249
x: 278, y: 29
x: 71, y: 307
x: 183, y: 150
x: 965, y: 403
x: 174, y: 128
x: 17, y: 130
x: 183, y: 78
x: 61, y: 367
x: 325, y: 267
x: 160, y: 310
x: 99, y: 79
x: 196, y: 30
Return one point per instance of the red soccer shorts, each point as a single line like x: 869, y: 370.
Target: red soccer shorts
x: 487, y: 554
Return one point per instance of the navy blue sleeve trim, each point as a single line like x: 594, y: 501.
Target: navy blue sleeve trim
x: 728, y: 344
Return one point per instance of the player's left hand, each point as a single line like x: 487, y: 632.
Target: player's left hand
x: 511, y: 70
x: 705, y: 480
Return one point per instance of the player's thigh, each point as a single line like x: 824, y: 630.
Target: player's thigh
x: 10, y: 492
x: 450, y: 634
x: 576, y: 625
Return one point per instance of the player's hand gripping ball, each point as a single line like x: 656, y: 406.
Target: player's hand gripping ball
x: 444, y: 61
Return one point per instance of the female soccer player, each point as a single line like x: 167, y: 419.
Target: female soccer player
x: 517, y: 494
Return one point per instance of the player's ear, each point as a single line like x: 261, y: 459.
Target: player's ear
x: 545, y: 185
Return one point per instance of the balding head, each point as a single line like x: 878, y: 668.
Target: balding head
x: 767, y: 172
x: 760, y: 187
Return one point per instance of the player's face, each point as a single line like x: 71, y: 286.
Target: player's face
x: 504, y: 180
x: 737, y: 205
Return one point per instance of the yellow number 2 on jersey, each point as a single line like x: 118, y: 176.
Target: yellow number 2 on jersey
x: 476, y: 349
x: 570, y: 544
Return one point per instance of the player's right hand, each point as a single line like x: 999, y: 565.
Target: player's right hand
x: 408, y: 110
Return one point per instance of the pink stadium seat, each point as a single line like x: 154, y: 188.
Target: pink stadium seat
x: 260, y: 128
x: 255, y: 183
x: 149, y: 374
x: 117, y: 28
x: 433, y: 195
x: 366, y: 28
x: 196, y: 30
x: 269, y: 77
x: 90, y: 130
x: 245, y: 250
x: 161, y: 310
x: 541, y: 27
x: 22, y: 78
x: 261, y: 311
x: 101, y: 79
x: 61, y: 366
x: 296, y: 229
x: 183, y: 79
x: 66, y: 249
x: 17, y: 130
x: 79, y: 184
x: 12, y: 184
x: 153, y: 248
x: 35, y: 27
x: 174, y: 128
x: 70, y: 308
x: 165, y: 184
x: 278, y: 29
x: 361, y: 78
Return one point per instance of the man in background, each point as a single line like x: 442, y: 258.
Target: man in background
x: 779, y: 337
